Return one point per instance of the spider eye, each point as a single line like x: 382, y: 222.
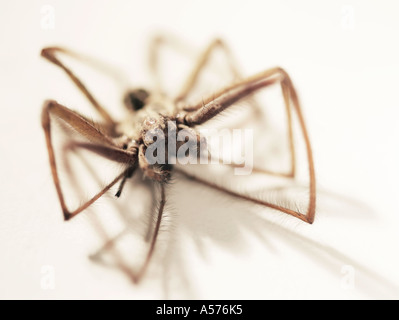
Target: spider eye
x: 136, y: 99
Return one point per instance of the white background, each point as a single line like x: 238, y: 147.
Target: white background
x: 342, y: 56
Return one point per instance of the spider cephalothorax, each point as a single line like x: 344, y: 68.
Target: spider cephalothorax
x: 163, y: 142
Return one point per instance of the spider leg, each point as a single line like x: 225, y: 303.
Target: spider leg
x: 137, y: 276
x: 201, y: 63
x: 155, y: 46
x: 51, y: 54
x: 154, y: 236
x: 226, y: 97
x: 109, y: 244
x: 204, y: 58
x: 101, y: 144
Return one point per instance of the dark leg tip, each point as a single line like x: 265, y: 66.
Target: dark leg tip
x: 67, y: 216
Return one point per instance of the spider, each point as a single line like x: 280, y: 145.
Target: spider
x: 126, y: 142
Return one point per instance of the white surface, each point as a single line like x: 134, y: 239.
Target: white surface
x: 345, y: 68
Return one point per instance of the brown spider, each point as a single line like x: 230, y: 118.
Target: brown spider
x: 126, y: 142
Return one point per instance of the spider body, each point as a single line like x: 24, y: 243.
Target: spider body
x: 154, y: 132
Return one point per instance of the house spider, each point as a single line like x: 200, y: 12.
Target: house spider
x: 126, y: 142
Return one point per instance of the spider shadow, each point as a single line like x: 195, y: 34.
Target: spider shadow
x: 224, y: 221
